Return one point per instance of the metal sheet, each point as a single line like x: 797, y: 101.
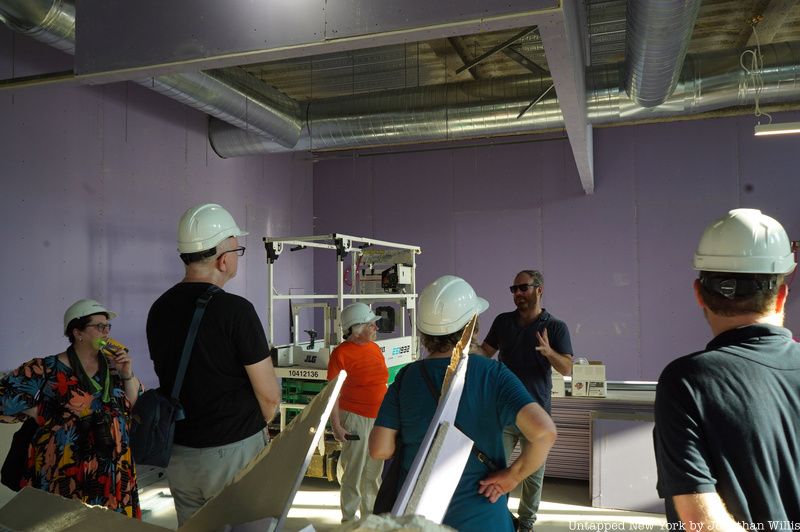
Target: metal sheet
x: 446, y: 411
x: 441, y: 474
x: 34, y: 509
x: 119, y: 40
x: 623, y: 464
x: 117, y: 34
x: 266, y: 487
x: 561, y: 36
x: 346, y: 18
x: 571, y: 456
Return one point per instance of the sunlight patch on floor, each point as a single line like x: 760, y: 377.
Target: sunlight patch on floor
x: 317, y: 502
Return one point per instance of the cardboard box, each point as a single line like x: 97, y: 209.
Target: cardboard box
x: 589, y: 380
x: 558, y: 385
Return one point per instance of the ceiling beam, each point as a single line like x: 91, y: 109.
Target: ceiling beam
x: 500, y: 47
x: 66, y: 77
x: 562, y: 38
x: 119, y: 40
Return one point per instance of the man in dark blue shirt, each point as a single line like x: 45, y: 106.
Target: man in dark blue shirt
x: 530, y: 342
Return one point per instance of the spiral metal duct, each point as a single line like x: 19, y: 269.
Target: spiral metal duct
x: 459, y: 111
x: 49, y: 21
x: 657, y: 37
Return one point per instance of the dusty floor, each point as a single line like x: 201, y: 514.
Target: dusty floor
x: 565, y: 507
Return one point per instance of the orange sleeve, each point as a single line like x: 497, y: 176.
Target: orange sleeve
x: 333, y: 365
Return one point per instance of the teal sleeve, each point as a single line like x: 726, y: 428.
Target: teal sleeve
x: 389, y: 413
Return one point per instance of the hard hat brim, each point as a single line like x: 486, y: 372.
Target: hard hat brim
x: 83, y: 308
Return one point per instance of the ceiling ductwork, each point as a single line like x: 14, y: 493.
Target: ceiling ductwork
x: 461, y: 111
x: 657, y: 37
x: 236, y: 98
x: 421, y: 114
x: 49, y: 21
x: 231, y: 95
x: 250, y: 117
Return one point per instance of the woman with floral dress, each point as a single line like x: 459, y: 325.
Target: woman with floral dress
x: 81, y: 400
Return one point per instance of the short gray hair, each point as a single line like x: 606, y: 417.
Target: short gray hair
x: 355, y: 330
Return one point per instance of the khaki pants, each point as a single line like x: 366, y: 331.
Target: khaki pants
x: 531, y: 486
x: 197, y: 474
x: 358, y: 474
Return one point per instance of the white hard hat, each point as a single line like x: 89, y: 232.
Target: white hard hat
x: 446, y: 305
x: 204, y: 226
x: 355, y: 314
x: 745, y: 241
x: 85, y: 307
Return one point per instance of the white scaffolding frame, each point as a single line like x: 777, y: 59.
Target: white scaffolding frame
x: 344, y: 246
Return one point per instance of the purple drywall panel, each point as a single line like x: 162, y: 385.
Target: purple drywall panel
x: 413, y: 203
x: 590, y: 261
x: 388, y: 198
x: 346, y: 208
x: 22, y: 56
x: 685, y: 177
x: 503, y: 206
x: 503, y: 256
x: 617, y: 264
x: 94, y: 182
x: 769, y: 169
x: 374, y: 197
x: 285, y: 210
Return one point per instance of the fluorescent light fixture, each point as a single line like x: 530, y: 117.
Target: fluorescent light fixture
x: 777, y: 129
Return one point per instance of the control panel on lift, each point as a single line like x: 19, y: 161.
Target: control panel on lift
x: 296, y: 363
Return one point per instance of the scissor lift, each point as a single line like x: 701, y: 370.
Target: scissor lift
x: 379, y: 272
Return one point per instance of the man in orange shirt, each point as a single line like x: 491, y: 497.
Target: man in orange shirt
x: 357, y: 407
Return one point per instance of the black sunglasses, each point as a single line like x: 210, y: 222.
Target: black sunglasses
x: 521, y: 287
x: 239, y: 251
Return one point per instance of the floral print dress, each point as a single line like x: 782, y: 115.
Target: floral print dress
x: 80, y: 450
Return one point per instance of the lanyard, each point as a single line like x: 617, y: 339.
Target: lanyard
x: 87, y: 382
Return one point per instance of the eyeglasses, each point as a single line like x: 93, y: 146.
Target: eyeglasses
x: 521, y: 287
x: 102, y: 327
x: 239, y: 251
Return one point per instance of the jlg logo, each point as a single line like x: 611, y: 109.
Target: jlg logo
x: 311, y: 359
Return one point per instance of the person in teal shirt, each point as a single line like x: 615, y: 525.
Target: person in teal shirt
x: 493, y: 397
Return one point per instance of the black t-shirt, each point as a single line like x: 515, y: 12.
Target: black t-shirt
x: 217, y: 396
x: 517, y: 350
x: 728, y: 420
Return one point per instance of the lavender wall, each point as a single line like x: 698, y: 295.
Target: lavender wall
x: 94, y: 181
x: 616, y: 264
